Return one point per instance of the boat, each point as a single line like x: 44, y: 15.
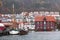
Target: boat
x: 15, y: 26
x: 23, y: 30
x: 3, y: 29
x: 13, y: 32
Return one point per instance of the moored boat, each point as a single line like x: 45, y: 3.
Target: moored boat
x: 13, y: 32
x: 23, y: 30
x: 3, y: 29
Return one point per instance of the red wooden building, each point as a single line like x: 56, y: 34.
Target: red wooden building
x: 44, y: 23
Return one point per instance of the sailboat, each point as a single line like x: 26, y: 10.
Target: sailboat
x: 14, y: 26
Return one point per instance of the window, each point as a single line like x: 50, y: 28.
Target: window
x: 44, y: 24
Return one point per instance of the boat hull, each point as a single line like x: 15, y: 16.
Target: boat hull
x: 13, y: 32
x: 23, y: 32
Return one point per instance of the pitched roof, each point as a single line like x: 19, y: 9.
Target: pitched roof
x: 39, y: 18
x: 48, y: 18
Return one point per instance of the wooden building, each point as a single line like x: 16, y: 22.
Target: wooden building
x: 45, y: 23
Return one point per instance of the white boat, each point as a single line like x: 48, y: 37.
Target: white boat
x: 13, y: 32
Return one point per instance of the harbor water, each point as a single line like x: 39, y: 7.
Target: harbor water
x: 34, y: 36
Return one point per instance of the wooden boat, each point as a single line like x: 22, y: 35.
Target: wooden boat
x: 23, y: 30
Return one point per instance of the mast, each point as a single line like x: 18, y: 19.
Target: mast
x: 13, y: 18
x: 23, y: 14
x: 13, y: 12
